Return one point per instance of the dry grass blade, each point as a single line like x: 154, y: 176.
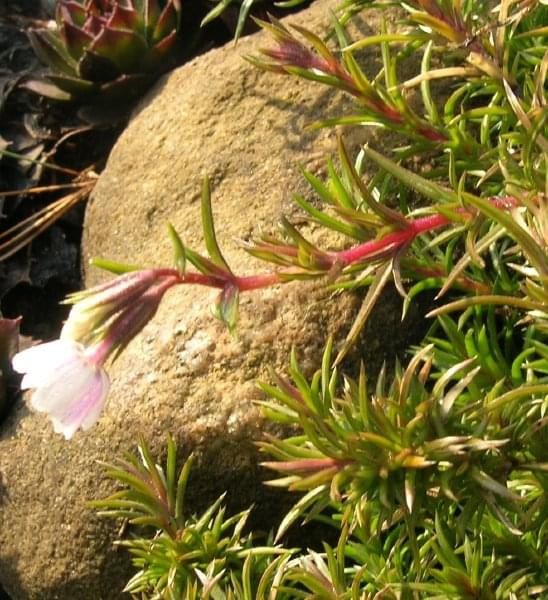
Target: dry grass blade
x: 482, y: 246
x: 522, y: 115
x: 41, y: 190
x: 21, y: 234
x: 40, y: 163
x: 441, y: 74
x: 381, y: 278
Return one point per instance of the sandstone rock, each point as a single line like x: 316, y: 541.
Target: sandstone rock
x: 184, y: 374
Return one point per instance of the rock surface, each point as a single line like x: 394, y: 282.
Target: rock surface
x: 184, y: 374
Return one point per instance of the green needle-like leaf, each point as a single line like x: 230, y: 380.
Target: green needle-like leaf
x: 179, y: 256
x: 209, y: 229
x: 430, y: 189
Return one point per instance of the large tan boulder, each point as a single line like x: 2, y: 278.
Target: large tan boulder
x: 184, y: 374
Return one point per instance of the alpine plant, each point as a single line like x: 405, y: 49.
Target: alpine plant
x: 106, y: 50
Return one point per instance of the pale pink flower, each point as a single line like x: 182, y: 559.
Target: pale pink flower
x: 69, y: 383
x: 67, y: 375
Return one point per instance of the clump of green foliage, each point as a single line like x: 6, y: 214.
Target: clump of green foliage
x: 435, y: 477
x: 187, y: 555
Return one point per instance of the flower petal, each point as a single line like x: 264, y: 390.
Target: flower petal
x: 68, y: 386
x: 62, y: 385
x: 85, y: 410
x: 76, y: 405
x: 102, y: 385
x: 42, y: 361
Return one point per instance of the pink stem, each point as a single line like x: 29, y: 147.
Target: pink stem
x: 415, y: 227
x: 193, y: 278
x: 390, y: 243
x: 396, y: 239
x: 244, y: 284
x: 255, y: 282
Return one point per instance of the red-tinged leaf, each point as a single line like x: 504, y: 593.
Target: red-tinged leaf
x: 167, y: 23
x: 126, y: 86
x: 9, y: 342
x: 71, y: 12
x: 124, y: 18
x: 155, y: 60
x: 138, y: 5
x: 73, y: 85
x: 125, y: 49
x: 99, y: 69
x: 50, y: 50
x: 152, y: 13
x: 431, y: 7
x: 94, y: 24
x: 9, y: 345
x: 76, y: 39
x: 44, y: 88
x: 316, y: 42
x: 439, y: 26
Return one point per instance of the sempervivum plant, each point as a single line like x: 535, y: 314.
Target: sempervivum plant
x: 106, y: 49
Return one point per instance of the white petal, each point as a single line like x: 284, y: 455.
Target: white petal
x: 38, y: 378
x: 94, y: 411
x: 60, y: 387
x: 85, y: 408
x: 67, y: 430
x: 75, y: 403
x: 67, y: 386
x: 46, y: 357
x: 45, y: 363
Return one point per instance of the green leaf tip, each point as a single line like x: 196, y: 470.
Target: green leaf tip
x: 179, y: 255
x: 210, y: 237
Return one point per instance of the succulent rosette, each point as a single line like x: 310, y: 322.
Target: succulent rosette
x: 111, y: 49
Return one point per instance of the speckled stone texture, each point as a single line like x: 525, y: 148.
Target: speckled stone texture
x: 184, y: 374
